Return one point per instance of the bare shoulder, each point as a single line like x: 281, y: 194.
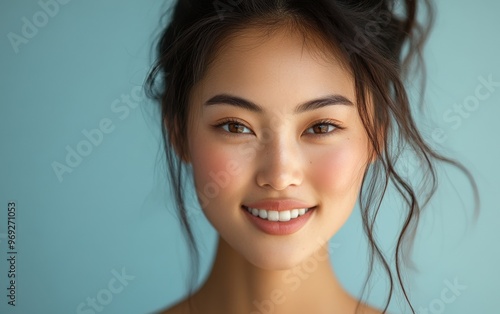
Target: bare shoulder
x: 183, y: 308
x: 364, y: 308
x: 367, y: 309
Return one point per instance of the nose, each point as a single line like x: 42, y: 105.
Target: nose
x: 280, y: 164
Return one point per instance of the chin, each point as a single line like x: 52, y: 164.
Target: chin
x: 276, y: 260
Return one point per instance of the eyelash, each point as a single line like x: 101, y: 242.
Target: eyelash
x: 233, y: 121
x: 326, y: 122
x: 238, y: 122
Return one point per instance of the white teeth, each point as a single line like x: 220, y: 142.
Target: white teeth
x: 273, y: 215
x: 285, y: 215
x: 263, y: 214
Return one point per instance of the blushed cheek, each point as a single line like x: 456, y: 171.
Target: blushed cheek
x: 215, y: 168
x: 339, y: 169
x: 206, y: 164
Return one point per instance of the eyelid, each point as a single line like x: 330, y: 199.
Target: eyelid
x: 333, y: 123
x: 226, y: 121
x: 337, y: 126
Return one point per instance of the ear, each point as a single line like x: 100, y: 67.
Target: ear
x: 380, y: 131
x: 180, y: 147
x: 380, y: 136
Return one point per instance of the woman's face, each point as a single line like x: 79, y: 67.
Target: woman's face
x: 266, y: 140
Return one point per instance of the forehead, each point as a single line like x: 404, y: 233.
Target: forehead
x: 275, y: 67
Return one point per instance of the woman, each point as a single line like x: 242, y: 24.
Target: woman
x: 283, y: 112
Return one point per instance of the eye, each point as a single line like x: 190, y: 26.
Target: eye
x: 233, y: 126
x: 324, y: 127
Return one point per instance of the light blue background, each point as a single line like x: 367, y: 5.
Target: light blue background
x: 113, y: 212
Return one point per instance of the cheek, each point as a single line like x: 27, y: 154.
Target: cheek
x: 209, y: 168
x: 217, y: 170
x: 339, y: 170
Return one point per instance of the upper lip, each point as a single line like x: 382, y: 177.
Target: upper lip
x: 278, y: 204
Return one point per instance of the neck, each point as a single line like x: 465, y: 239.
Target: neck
x: 237, y: 286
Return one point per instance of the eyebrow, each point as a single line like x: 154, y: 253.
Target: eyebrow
x: 227, y: 99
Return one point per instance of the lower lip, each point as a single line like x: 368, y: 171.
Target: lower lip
x: 279, y: 227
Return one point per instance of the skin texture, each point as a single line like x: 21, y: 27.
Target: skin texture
x: 278, y: 154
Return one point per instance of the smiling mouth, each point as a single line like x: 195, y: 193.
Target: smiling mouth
x: 277, y: 216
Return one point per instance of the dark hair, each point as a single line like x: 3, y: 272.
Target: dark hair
x: 378, y: 42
